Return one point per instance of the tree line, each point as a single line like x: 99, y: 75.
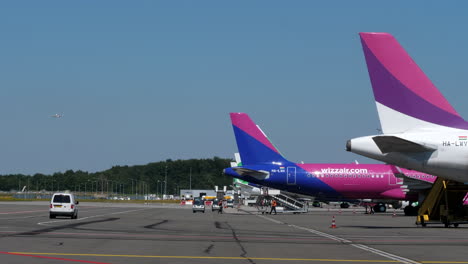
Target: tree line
x: 138, y: 179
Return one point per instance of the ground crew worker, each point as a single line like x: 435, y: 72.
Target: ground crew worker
x: 273, y: 206
x: 220, y: 210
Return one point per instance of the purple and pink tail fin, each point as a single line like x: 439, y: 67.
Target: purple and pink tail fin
x: 406, y: 99
x: 254, y: 146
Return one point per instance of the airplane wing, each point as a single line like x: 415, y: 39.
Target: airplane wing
x: 388, y: 144
x: 257, y: 174
x: 411, y: 184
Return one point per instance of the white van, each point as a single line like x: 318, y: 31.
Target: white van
x: 63, y: 204
x: 198, y: 206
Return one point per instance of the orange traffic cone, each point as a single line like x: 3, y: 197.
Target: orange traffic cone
x: 354, y: 211
x: 394, y: 213
x: 339, y: 211
x: 333, y: 225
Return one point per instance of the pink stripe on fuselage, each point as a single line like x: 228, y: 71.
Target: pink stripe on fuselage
x: 372, y: 186
x: 244, y: 123
x: 397, y: 61
x: 364, y: 180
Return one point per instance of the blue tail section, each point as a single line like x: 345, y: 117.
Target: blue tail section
x: 254, y: 152
x: 254, y: 147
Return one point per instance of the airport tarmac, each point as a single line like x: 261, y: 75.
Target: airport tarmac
x: 138, y: 233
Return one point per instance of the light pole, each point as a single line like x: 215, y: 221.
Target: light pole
x: 143, y: 190
x: 132, y: 185
x: 190, y: 178
x: 163, y: 196
x: 157, y: 189
x: 165, y: 181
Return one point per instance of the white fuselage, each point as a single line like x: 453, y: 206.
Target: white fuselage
x: 449, y: 160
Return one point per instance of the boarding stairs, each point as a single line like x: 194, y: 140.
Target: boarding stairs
x: 444, y: 204
x: 293, y: 205
x: 289, y: 204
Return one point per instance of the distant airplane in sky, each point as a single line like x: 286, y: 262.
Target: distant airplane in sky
x: 420, y: 129
x: 263, y: 164
x: 57, y: 116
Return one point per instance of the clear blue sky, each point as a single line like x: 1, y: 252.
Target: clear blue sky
x: 144, y: 81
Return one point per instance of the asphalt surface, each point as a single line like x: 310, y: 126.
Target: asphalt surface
x: 138, y: 233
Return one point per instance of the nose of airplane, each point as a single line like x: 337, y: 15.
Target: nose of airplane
x: 348, y: 145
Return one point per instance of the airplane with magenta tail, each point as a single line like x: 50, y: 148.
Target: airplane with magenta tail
x: 420, y: 129
x: 263, y: 164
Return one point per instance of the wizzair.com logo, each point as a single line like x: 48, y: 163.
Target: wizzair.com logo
x: 343, y: 170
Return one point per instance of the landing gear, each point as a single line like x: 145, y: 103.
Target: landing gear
x: 344, y: 205
x: 369, y: 209
x: 380, y: 208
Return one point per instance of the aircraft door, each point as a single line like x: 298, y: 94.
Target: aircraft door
x: 291, y: 175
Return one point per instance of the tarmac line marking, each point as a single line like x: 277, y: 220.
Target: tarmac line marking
x: 448, y: 262
x: 226, y: 258
x: 385, y: 254
x: 35, y: 216
x: 88, y: 217
x: 20, y: 212
x: 23, y: 217
x: 46, y: 257
x: 203, y: 257
x: 345, y: 241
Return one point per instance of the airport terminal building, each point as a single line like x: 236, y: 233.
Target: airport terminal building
x: 187, y: 193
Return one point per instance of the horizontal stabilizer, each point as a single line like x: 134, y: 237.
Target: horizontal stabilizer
x: 258, y: 174
x: 389, y: 144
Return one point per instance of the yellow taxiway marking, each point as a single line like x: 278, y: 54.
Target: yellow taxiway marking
x: 233, y: 258
x: 203, y: 257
